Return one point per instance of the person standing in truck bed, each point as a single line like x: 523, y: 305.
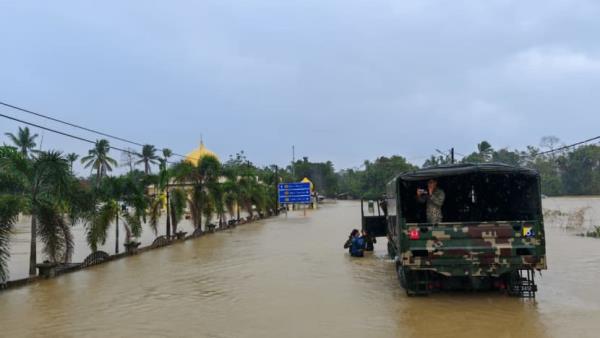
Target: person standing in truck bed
x: 434, y: 197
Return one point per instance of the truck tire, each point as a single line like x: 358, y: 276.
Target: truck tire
x: 391, y: 250
x: 400, y: 271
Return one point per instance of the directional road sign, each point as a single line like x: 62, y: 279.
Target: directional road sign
x: 294, y: 193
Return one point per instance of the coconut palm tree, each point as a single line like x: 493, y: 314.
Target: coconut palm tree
x: 99, y: 160
x: 44, y: 183
x: 72, y: 157
x: 24, y: 141
x: 148, y: 157
x: 485, y: 150
x: 167, y: 153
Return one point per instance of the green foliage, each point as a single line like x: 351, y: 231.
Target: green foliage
x: 132, y: 224
x: 580, y: 171
x: 156, y: 207
x: 24, y: 141
x: 148, y: 157
x: 108, y: 198
x: 10, y: 206
x: 72, y: 157
x: 178, y: 201
x: 97, y: 229
x: 42, y: 185
x: 572, y: 172
x: 370, y: 182
x: 99, y: 160
x: 321, y: 174
x: 203, y: 180
x: 54, y: 232
x: 437, y: 160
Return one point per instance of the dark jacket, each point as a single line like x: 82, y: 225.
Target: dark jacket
x: 369, y: 242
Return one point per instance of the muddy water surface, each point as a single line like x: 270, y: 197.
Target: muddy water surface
x: 289, y: 277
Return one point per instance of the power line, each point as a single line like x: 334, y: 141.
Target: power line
x: 79, y: 138
x: 76, y: 126
x: 69, y: 124
x: 568, y: 146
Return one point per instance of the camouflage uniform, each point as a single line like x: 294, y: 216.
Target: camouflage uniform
x: 434, y: 205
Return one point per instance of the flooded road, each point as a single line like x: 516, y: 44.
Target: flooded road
x: 289, y: 277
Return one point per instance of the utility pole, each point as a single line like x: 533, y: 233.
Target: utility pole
x: 117, y: 231
x: 168, y: 215
x: 276, y: 190
x: 293, y: 161
x: 452, y: 155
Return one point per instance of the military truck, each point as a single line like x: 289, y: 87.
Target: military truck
x: 491, y: 235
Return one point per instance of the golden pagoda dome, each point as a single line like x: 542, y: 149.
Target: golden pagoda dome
x: 197, y: 155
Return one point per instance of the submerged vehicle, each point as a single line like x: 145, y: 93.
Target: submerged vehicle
x: 491, y: 233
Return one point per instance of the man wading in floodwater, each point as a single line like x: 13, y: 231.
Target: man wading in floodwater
x: 434, y: 197
x: 355, y: 244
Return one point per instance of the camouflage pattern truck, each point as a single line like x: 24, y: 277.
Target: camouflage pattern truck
x: 491, y: 233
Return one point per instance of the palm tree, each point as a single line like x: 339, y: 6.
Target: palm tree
x: 252, y: 195
x: 99, y: 160
x: 160, y: 199
x: 127, y: 190
x: 177, y: 202
x: 44, y: 183
x: 230, y: 196
x: 9, y: 210
x: 148, y: 157
x: 217, y: 192
x: 54, y: 232
x: 24, y: 141
x: 485, y: 150
x: 167, y: 153
x: 72, y: 157
x: 10, y: 206
x: 200, y: 177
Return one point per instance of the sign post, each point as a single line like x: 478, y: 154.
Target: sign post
x: 294, y: 193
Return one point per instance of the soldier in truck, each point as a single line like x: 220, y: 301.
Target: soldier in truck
x: 434, y: 197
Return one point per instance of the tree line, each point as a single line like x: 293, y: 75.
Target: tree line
x: 42, y: 184
x: 571, y: 171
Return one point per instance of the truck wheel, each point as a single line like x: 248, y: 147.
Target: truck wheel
x: 391, y: 249
x: 400, y: 271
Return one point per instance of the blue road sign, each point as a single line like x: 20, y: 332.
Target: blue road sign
x: 294, y: 186
x: 298, y: 192
x: 294, y: 193
x: 294, y: 199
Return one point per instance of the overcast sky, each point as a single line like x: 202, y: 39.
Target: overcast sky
x: 342, y: 80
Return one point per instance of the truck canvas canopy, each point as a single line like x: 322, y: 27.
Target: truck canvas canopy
x: 474, y: 193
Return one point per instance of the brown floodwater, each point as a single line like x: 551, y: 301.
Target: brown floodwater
x: 289, y: 277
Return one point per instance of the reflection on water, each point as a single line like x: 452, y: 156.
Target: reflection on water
x: 289, y: 277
